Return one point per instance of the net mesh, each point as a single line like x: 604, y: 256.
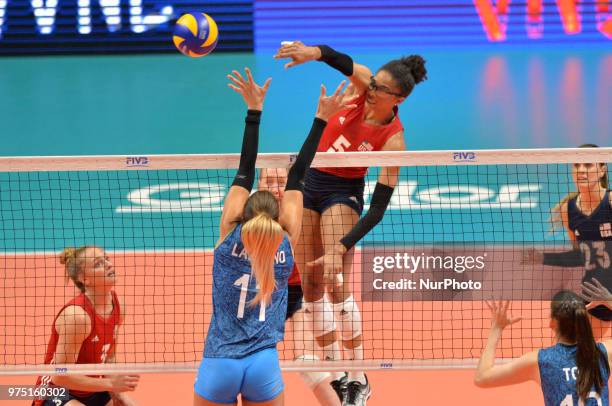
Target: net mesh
x: 157, y: 218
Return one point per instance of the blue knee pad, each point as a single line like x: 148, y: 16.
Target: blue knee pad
x: 257, y: 377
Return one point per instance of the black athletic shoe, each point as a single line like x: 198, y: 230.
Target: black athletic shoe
x: 357, y: 393
x: 339, y: 386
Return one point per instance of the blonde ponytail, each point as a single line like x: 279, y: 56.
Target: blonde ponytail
x: 262, y: 236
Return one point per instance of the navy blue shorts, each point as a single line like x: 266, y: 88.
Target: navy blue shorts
x: 294, y: 300
x: 323, y: 190
x: 257, y: 377
x: 95, y: 399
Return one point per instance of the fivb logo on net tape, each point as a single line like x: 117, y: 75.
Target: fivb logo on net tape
x: 464, y: 156
x: 137, y: 161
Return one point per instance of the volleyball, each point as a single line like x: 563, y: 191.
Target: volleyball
x: 195, y: 34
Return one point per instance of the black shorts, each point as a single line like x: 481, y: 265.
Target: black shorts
x: 294, y: 300
x: 323, y: 190
x: 95, y: 399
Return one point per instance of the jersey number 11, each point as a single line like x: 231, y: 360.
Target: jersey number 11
x: 243, y: 282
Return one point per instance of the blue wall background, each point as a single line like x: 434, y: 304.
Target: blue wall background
x: 400, y: 25
x: 173, y: 104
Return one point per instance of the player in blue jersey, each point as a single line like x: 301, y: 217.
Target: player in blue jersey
x: 274, y: 181
x: 587, y: 217
x: 252, y: 262
x: 573, y: 372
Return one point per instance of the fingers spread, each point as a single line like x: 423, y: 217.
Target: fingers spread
x: 238, y: 75
x: 249, y: 75
x: 515, y: 319
x: 506, y: 305
x: 235, y: 88
x: 267, y: 84
x: 599, y: 285
x: 236, y: 81
x: 339, y: 88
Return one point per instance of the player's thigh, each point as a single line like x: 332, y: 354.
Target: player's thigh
x: 302, y: 330
x: 277, y: 401
x: 309, y: 246
x: 200, y: 401
x: 336, y: 222
x: 308, y: 249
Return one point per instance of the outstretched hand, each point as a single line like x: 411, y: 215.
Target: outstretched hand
x: 298, y: 53
x: 330, y: 105
x: 596, y: 293
x: 332, y: 263
x: 251, y: 92
x: 532, y: 256
x: 500, y: 318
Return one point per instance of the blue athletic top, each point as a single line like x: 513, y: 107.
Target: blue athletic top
x: 594, y: 235
x: 558, y: 373
x: 238, y: 329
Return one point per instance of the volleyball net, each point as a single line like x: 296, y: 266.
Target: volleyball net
x: 454, y: 235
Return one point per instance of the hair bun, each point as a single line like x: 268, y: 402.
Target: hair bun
x: 416, y: 64
x: 67, y: 255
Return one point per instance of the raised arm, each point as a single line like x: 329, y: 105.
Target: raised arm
x: 523, y: 369
x: 290, y: 216
x: 569, y: 259
x: 253, y: 96
x: 358, y: 74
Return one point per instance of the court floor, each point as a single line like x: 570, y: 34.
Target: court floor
x: 389, y: 388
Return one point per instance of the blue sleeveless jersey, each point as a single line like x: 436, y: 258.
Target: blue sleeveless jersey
x: 594, y: 237
x: 236, y: 328
x: 558, y: 373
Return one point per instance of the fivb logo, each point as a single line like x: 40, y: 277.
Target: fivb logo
x: 132, y: 161
x: 464, y: 156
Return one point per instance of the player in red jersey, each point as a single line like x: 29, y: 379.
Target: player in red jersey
x: 333, y: 197
x: 85, y: 332
x: 274, y: 181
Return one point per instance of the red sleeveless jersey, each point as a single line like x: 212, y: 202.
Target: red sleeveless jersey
x: 346, y: 131
x: 97, y: 347
x: 294, y: 278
